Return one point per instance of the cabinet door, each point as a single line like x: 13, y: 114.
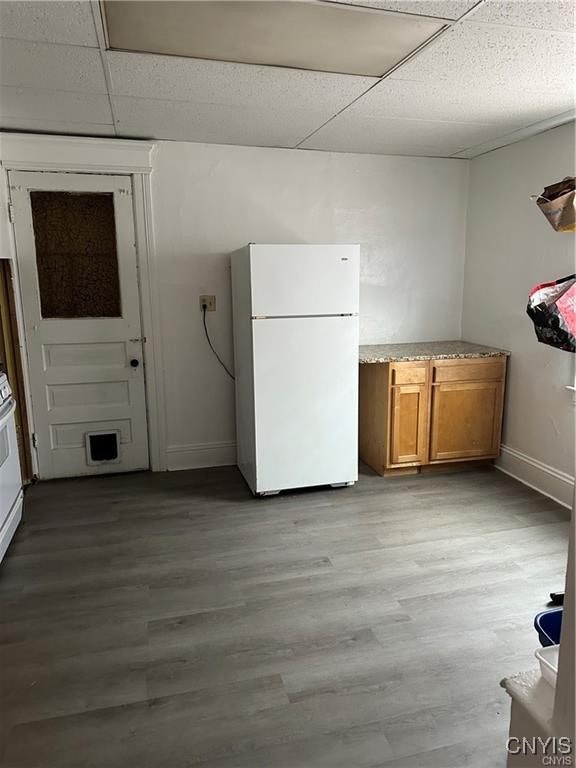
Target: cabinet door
x: 465, y: 420
x: 409, y: 414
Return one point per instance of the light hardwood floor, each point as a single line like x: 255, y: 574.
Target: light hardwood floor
x: 172, y: 620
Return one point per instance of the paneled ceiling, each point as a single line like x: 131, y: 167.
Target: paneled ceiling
x: 497, y: 71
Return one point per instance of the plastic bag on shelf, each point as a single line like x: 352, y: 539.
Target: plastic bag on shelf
x: 552, y: 309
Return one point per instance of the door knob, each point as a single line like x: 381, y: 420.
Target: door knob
x: 134, y: 362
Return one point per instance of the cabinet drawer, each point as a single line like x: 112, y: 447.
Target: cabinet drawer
x: 408, y: 373
x: 468, y: 370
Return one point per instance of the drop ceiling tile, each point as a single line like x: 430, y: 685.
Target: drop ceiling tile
x: 397, y: 136
x: 495, y: 56
x: 179, y: 79
x: 51, y: 67
x: 556, y: 15
x: 212, y: 123
x: 56, y: 126
x: 509, y: 107
x: 50, y: 22
x: 444, y: 9
x: 63, y: 106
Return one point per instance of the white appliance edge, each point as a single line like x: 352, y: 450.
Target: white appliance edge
x: 11, y: 494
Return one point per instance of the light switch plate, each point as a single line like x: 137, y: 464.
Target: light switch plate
x: 209, y: 302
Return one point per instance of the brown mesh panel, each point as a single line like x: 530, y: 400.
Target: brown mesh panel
x: 76, y: 254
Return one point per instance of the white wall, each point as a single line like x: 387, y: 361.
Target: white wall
x: 408, y: 214
x: 511, y: 247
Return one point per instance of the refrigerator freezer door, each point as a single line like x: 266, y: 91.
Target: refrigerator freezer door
x: 306, y: 396
x: 293, y: 280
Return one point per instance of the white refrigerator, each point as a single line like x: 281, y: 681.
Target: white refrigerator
x: 296, y: 365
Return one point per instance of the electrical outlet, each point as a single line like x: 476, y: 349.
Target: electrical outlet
x: 209, y: 302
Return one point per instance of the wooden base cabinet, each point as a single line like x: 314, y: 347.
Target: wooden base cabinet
x: 430, y: 412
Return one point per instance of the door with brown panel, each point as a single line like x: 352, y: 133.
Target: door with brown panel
x: 78, y: 273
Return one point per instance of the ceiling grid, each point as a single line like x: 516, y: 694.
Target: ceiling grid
x: 475, y: 84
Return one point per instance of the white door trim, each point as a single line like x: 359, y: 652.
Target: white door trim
x: 9, y: 243
x: 150, y: 311
x: 29, y: 152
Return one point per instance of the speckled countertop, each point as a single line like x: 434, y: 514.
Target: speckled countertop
x: 425, y: 350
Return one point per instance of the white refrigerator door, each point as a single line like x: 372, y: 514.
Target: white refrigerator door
x: 306, y: 401
x: 294, y: 280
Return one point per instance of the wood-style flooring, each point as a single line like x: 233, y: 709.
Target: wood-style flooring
x: 173, y: 620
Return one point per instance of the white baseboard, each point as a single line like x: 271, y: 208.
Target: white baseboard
x: 535, y: 474
x: 197, y: 455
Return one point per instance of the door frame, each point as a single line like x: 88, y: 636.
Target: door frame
x: 71, y: 154
x: 10, y: 345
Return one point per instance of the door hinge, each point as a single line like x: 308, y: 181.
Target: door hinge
x: 34, y: 440
x: 11, y: 212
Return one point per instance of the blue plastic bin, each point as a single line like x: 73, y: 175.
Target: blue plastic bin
x: 548, y: 625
